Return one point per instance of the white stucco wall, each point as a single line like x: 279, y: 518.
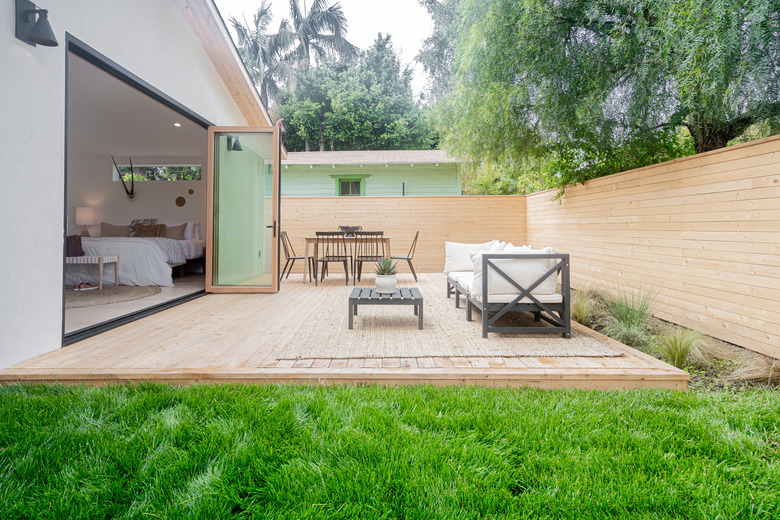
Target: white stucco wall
x: 151, y: 39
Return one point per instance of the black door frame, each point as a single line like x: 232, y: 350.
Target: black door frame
x: 78, y: 48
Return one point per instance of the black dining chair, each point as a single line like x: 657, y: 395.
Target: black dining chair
x: 290, y: 257
x: 410, y: 256
x: 369, y: 247
x: 331, y: 247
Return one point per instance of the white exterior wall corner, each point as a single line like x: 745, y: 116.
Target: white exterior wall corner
x: 150, y: 38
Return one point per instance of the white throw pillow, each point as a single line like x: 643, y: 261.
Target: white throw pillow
x: 523, y: 271
x: 457, y: 255
x: 497, y: 246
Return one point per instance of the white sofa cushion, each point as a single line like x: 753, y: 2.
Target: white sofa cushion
x: 523, y: 271
x: 457, y: 255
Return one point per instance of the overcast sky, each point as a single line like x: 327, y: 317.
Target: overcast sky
x: 407, y: 22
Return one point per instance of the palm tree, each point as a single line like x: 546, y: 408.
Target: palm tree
x: 266, y: 56
x: 320, y: 31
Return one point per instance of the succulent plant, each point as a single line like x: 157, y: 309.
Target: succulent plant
x: 385, y: 266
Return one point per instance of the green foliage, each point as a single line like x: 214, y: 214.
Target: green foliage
x: 437, y: 53
x: 677, y: 345
x: 582, y: 307
x: 628, y: 313
x: 600, y: 87
x: 366, y: 105
x: 161, y: 173
x: 267, y: 57
x: 386, y: 266
x: 529, y: 175
x: 319, y: 31
x: 315, y: 452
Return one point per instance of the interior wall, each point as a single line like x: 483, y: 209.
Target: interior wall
x: 90, y: 184
x: 152, y: 40
x: 701, y: 234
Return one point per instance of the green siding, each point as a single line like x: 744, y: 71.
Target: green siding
x: 381, y: 181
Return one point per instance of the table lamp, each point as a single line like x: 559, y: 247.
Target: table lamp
x: 85, y: 217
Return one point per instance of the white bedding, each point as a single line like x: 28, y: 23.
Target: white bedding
x: 193, y: 248
x: 142, y: 261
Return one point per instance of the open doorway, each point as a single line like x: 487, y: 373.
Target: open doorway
x: 160, y: 259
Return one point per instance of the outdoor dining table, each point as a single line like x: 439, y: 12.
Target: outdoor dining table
x: 312, y: 240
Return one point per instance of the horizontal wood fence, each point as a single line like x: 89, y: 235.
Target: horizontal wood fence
x: 700, y: 233
x: 439, y: 219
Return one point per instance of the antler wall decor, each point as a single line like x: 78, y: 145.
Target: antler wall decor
x: 131, y: 192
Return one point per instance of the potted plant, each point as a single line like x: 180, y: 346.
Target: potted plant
x: 385, y: 276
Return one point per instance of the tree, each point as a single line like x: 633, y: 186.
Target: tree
x: 368, y: 105
x: 437, y: 53
x: 602, y: 86
x: 320, y: 31
x: 266, y: 56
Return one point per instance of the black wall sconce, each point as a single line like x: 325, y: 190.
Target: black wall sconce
x: 30, y: 30
x: 234, y: 144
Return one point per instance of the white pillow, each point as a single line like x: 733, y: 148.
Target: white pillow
x: 497, y: 246
x: 196, y: 229
x: 523, y: 271
x: 457, y: 255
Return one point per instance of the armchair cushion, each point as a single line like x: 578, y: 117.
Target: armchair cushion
x: 457, y: 255
x: 523, y: 271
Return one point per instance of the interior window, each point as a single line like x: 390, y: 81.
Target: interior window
x: 158, y: 173
x: 349, y: 187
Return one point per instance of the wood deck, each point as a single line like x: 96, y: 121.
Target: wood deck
x: 237, y: 338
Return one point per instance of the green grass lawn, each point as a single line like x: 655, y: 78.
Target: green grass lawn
x: 373, y: 452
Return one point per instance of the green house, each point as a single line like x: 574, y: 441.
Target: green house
x: 379, y: 173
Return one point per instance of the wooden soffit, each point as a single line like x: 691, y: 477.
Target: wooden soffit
x: 207, y: 23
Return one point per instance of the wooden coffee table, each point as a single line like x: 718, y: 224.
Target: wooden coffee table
x: 401, y: 296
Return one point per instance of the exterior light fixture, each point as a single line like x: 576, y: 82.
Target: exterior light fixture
x: 177, y: 125
x: 233, y: 144
x: 30, y: 30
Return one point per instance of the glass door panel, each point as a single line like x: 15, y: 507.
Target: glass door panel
x: 243, y: 204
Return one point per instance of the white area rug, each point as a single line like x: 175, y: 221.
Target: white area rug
x: 391, y: 331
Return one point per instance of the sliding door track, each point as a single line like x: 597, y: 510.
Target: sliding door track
x: 99, y: 328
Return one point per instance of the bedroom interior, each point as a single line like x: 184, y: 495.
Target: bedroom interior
x: 164, y: 259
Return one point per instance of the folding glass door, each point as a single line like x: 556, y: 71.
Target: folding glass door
x: 243, y: 210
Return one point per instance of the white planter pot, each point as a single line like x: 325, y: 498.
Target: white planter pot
x: 385, y: 283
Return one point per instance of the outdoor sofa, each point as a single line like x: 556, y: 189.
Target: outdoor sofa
x: 498, y: 278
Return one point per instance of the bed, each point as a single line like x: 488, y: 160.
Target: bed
x: 142, y: 261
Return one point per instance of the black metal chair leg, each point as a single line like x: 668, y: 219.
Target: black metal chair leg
x: 281, y: 275
x: 292, y: 263
x: 346, y: 273
x: 409, y: 261
x: 310, y: 260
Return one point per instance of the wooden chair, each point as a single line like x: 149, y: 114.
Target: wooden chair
x: 410, y: 256
x: 369, y: 247
x: 289, y: 254
x: 331, y: 247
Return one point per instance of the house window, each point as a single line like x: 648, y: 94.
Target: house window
x: 350, y: 187
x: 159, y: 173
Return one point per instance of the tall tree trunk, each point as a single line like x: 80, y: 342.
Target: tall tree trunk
x: 306, y: 144
x: 331, y: 145
x: 710, y: 139
x: 322, y: 140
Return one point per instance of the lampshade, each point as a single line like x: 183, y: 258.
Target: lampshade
x: 85, y: 216
x: 42, y: 33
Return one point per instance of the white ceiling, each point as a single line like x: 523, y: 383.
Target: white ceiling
x: 107, y: 117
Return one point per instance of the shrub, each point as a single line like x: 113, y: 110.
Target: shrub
x: 582, y: 307
x: 628, y: 313
x: 757, y: 368
x: 678, y: 345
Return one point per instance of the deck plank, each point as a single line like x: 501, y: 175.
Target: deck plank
x: 238, y: 338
